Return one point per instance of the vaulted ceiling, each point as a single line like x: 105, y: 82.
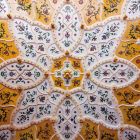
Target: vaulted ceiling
x: 69, y: 69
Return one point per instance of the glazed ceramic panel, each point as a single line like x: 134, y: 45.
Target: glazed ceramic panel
x: 69, y: 69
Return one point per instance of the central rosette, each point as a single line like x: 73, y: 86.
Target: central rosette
x: 67, y: 75
x: 67, y: 72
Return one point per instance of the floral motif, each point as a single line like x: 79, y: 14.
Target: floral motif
x: 5, y: 134
x: 111, y: 7
x: 133, y: 9
x: 4, y: 9
x: 16, y: 74
x: 45, y: 130
x: 67, y: 124
x: 68, y: 80
x: 7, y: 96
x: 129, y: 134
x: 2, y: 31
x: 24, y: 5
x: 126, y: 95
x: 67, y: 73
x: 89, y: 130
x: 131, y: 114
x: 43, y: 11
x: 115, y: 73
x: 5, y: 113
x: 67, y: 27
x: 92, y: 11
x: 8, y: 49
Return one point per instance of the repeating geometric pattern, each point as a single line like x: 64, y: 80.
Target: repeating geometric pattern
x: 69, y: 69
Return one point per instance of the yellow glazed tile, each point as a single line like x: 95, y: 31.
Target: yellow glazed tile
x: 8, y: 96
x: 136, y: 61
x: 8, y: 50
x: 44, y: 12
x: 131, y: 115
x: 58, y: 82
x: 108, y: 134
x: 128, y: 50
x: 1, y: 86
x: 76, y: 63
x: 136, y: 85
x: 89, y: 130
x: 76, y: 82
x: 4, y: 30
x: 5, y: 115
x: 132, y: 31
x: 1, y: 60
x: 23, y: 8
x: 67, y: 70
x: 126, y: 95
x: 79, y: 138
x: 58, y: 64
x: 45, y: 130
x: 26, y: 134
x: 111, y: 8
x: 91, y: 12
x: 25, y: 5
x: 55, y: 137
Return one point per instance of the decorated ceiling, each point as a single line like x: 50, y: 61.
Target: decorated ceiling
x: 69, y: 69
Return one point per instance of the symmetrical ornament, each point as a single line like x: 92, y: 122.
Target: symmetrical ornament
x: 69, y: 69
x: 68, y: 22
x: 67, y: 72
